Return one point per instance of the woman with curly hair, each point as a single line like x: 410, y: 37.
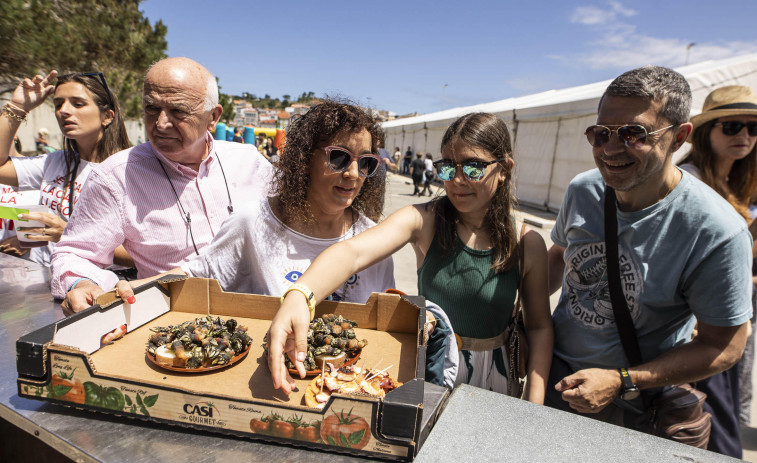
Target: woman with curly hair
x: 467, y: 249
x: 324, y: 191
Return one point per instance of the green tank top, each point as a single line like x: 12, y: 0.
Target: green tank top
x: 478, y: 302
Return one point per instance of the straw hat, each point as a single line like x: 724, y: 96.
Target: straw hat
x: 731, y: 100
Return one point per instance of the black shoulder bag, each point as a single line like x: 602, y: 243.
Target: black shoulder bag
x: 677, y: 413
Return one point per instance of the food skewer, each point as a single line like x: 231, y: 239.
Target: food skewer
x: 378, y: 373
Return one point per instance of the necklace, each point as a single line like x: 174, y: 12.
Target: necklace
x: 184, y: 213
x: 470, y: 227
x: 71, y: 180
x: 352, y: 235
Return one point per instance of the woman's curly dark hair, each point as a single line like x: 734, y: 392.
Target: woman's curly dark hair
x: 317, y: 127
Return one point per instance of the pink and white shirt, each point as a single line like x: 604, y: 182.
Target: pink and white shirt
x: 128, y: 200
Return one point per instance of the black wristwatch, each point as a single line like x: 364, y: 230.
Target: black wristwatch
x: 628, y: 390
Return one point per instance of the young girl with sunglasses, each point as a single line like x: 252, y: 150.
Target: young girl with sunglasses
x: 724, y: 156
x: 93, y: 129
x: 467, y: 249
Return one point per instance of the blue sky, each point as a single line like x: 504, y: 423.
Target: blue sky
x: 398, y: 55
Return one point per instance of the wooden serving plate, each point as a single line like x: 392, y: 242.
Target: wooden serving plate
x: 351, y: 359
x: 233, y: 360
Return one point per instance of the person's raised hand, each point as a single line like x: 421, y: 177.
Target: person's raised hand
x: 288, y: 336
x: 30, y: 93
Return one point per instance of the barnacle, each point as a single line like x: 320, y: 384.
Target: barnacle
x: 203, y: 341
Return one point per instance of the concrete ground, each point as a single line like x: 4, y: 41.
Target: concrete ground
x: 399, y: 191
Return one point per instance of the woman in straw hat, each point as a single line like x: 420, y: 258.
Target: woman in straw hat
x: 723, y: 153
x: 724, y: 156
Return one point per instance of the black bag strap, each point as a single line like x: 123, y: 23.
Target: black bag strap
x: 623, y: 320
x: 518, y: 310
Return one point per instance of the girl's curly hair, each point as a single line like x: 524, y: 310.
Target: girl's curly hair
x: 317, y: 127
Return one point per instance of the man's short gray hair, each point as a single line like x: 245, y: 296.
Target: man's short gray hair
x: 656, y: 83
x: 211, y: 93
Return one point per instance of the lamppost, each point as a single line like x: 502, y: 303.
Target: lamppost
x: 444, y: 89
x: 688, y: 48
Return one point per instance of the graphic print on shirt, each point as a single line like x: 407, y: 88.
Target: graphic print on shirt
x: 8, y: 197
x: 293, y: 275
x: 588, y: 291
x: 54, y: 194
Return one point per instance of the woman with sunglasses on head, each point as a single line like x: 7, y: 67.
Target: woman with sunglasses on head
x: 467, y: 248
x: 91, y: 122
x: 724, y: 156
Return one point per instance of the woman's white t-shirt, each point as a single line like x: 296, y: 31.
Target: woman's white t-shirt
x: 254, y: 252
x: 48, y: 175
x: 11, y: 197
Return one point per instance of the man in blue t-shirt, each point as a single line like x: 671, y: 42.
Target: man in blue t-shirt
x: 684, y: 258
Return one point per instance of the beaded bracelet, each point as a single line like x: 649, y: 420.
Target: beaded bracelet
x: 7, y: 109
x: 307, y: 292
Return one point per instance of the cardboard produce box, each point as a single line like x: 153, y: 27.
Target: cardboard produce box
x: 65, y: 363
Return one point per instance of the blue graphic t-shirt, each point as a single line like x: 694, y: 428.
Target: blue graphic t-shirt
x: 686, y: 258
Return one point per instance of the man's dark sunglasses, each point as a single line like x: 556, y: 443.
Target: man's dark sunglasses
x: 631, y: 135
x: 731, y: 128
x: 99, y: 75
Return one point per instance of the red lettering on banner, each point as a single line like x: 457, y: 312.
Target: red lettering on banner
x: 9, y: 200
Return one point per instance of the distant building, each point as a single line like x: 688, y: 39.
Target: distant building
x: 283, y: 117
x: 298, y: 109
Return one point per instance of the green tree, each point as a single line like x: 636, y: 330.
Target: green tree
x: 228, y: 106
x: 111, y: 36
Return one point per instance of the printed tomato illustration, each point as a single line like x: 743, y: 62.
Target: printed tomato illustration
x: 104, y: 397
x: 261, y: 426
x: 308, y: 433
x: 281, y: 428
x: 64, y: 387
x: 345, y: 430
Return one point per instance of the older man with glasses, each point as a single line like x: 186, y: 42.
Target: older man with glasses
x: 643, y: 252
x: 163, y: 200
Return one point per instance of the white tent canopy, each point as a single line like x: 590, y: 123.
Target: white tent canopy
x: 548, y: 127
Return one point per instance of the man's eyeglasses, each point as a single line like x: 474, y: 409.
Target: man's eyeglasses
x: 339, y: 160
x: 731, y: 128
x: 473, y: 170
x: 631, y: 135
x: 99, y: 75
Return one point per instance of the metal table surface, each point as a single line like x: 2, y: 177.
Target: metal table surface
x: 476, y: 425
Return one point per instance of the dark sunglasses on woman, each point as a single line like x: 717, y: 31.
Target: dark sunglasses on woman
x: 339, y: 160
x: 473, y: 170
x: 732, y: 128
x: 632, y: 136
